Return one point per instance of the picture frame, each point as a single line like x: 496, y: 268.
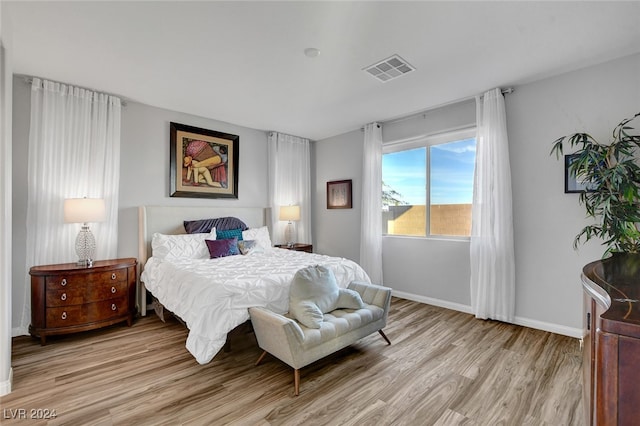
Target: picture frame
x: 339, y: 195
x: 203, y: 163
x: 573, y: 184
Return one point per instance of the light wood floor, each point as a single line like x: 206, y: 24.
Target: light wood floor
x: 444, y: 368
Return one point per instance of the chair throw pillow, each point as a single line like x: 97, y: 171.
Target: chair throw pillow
x: 349, y: 299
x: 314, y: 292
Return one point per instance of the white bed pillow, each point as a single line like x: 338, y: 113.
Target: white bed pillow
x: 189, y: 246
x: 261, y: 235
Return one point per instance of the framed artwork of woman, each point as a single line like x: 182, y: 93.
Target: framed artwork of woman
x: 203, y: 163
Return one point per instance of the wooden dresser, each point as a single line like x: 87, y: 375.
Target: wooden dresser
x: 67, y: 298
x: 611, y: 362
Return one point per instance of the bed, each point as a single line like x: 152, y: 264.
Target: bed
x: 212, y: 296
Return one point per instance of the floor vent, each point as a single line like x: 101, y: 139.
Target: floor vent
x: 389, y: 68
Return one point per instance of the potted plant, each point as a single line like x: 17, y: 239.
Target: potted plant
x: 613, y: 195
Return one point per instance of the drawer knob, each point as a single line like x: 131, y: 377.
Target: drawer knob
x: 64, y: 282
x: 113, y: 276
x: 113, y: 307
x: 113, y: 290
x: 64, y: 315
x: 64, y: 296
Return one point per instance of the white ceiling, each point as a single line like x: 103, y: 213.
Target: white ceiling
x: 243, y: 62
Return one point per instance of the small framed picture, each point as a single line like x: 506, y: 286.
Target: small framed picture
x: 573, y: 183
x: 339, y: 194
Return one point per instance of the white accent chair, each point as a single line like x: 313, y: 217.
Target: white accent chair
x: 298, y: 346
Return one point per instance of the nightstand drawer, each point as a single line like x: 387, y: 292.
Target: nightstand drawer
x: 89, y: 312
x: 76, y: 295
x: 68, y: 281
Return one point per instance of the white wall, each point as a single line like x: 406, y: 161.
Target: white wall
x: 337, y: 231
x: 21, y: 115
x: 144, y: 176
x: 546, y: 219
x: 5, y: 206
x: 548, y: 293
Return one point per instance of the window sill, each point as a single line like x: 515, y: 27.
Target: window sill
x: 453, y: 238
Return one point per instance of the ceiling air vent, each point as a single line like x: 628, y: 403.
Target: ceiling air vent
x: 389, y: 68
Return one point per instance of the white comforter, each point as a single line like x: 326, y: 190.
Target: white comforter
x: 213, y: 295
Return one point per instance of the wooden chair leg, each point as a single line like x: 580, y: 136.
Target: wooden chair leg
x: 384, y: 336
x: 296, y: 381
x: 261, y: 357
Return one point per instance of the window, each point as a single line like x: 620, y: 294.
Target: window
x: 434, y: 171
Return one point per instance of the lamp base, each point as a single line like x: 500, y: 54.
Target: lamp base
x: 288, y: 234
x: 85, y: 247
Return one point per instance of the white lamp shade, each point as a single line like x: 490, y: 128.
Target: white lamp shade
x: 289, y: 213
x: 84, y: 210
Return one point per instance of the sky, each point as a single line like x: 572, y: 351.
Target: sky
x: 452, y: 166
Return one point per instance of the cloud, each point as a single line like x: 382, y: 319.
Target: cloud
x: 456, y: 148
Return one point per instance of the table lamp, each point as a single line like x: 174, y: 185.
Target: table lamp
x: 290, y: 214
x: 84, y: 210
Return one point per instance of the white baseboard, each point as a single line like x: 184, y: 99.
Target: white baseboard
x: 525, y: 322
x: 431, y: 301
x: 5, y: 386
x: 550, y: 327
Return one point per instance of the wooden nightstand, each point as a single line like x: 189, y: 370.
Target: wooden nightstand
x: 297, y: 247
x: 68, y: 298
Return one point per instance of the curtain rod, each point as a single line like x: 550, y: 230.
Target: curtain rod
x: 506, y: 91
x: 269, y: 132
x: 29, y: 80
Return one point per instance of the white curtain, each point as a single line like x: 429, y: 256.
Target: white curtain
x: 371, y: 209
x: 492, y: 256
x: 290, y: 184
x: 74, y: 152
